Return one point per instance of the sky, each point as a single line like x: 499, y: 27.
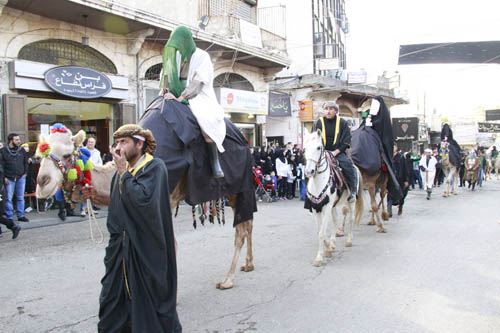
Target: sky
x: 377, y: 28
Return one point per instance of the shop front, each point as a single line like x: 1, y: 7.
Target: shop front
x: 247, y: 110
x: 79, y: 97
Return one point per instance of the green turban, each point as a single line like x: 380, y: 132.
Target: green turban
x: 180, y: 40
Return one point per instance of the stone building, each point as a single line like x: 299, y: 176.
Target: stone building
x: 116, y: 46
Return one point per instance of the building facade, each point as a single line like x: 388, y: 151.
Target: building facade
x: 115, y: 49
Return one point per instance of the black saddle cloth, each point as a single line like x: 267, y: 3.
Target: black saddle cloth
x: 181, y: 146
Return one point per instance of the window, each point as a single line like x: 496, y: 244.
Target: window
x: 66, y: 53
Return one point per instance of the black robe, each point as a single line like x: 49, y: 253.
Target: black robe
x: 140, y: 257
x: 454, y: 153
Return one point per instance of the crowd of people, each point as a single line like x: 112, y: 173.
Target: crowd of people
x: 279, y: 171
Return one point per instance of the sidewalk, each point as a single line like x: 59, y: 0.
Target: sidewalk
x: 50, y: 218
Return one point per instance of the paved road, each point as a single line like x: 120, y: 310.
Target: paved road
x: 436, y: 270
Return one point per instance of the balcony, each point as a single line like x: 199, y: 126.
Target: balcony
x: 227, y: 17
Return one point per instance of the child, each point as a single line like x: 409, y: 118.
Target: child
x: 272, y: 184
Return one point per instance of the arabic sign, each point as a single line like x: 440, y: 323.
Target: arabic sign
x: 306, y: 111
x: 488, y: 128
x: 78, y: 82
x: 242, y: 101
x: 279, y: 105
x: 356, y: 77
x: 405, y: 128
x: 492, y: 115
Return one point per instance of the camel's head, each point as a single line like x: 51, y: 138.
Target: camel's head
x: 313, y: 149
x: 444, y: 145
x: 59, y: 145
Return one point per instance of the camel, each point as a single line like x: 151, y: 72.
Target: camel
x: 450, y: 171
x: 53, y: 174
x: 496, y: 167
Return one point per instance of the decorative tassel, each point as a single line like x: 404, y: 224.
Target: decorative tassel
x: 217, y: 208
x: 193, y: 209
x: 80, y: 164
x: 210, y: 215
x: 72, y: 174
x: 223, y: 205
x: 44, y: 149
x: 89, y: 165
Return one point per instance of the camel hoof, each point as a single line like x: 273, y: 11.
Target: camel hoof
x: 444, y: 195
x: 328, y: 254
x: 381, y: 230
x: 317, y: 263
x: 455, y: 193
x: 247, y: 268
x: 224, y: 286
x: 339, y: 234
x: 371, y: 222
x: 348, y: 244
x: 385, y: 216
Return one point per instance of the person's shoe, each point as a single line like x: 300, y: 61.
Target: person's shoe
x: 214, y: 160
x: 23, y: 219
x: 15, y: 231
x: 400, y: 210
x: 96, y: 208
x: 83, y: 214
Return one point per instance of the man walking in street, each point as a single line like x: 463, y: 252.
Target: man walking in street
x: 139, y: 288
x: 14, y: 160
x: 427, y: 167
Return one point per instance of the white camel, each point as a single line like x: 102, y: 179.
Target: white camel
x: 450, y: 171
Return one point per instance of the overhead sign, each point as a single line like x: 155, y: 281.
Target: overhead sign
x: 450, y: 53
x: 250, y: 34
x: 78, y: 82
x: 492, y: 115
x: 405, y: 128
x: 242, y: 101
x: 279, y: 105
x: 356, y: 77
x: 488, y: 128
x: 326, y: 64
x: 306, y: 111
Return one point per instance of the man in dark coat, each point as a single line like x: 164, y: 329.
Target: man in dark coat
x: 337, y: 138
x: 139, y: 289
x: 400, y: 166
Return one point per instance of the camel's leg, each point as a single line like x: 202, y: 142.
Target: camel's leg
x: 239, y: 239
x: 373, y: 204
x: 340, y: 229
x: 373, y: 194
x: 385, y: 215
x: 249, y: 258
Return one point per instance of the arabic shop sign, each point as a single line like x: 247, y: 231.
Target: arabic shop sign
x: 306, y: 111
x: 488, y: 128
x: 78, y: 82
x: 279, y: 105
x: 405, y: 128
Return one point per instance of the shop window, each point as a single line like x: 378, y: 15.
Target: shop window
x: 153, y: 72
x: 65, y: 53
x: 232, y: 81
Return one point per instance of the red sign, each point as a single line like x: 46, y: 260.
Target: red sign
x: 230, y: 98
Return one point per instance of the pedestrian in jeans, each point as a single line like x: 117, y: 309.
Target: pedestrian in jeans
x: 14, y: 160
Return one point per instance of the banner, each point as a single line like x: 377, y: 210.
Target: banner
x: 405, y: 128
x: 279, y: 105
x: 306, y: 111
x: 488, y: 128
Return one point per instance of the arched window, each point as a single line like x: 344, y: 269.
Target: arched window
x: 65, y: 53
x: 233, y: 81
x: 153, y: 72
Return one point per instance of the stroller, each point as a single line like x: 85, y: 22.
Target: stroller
x: 260, y: 190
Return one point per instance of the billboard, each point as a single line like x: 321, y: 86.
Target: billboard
x: 488, y: 128
x: 492, y: 115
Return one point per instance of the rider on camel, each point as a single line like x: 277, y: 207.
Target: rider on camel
x: 336, y: 139
x: 190, y: 73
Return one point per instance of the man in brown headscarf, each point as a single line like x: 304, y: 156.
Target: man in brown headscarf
x: 139, y: 288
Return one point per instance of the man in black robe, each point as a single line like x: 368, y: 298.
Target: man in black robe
x: 139, y: 289
x: 337, y: 138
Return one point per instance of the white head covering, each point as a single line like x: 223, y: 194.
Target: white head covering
x: 428, y: 150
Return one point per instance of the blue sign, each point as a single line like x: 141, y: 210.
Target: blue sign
x: 78, y: 82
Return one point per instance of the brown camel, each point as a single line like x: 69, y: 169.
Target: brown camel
x: 52, y: 174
